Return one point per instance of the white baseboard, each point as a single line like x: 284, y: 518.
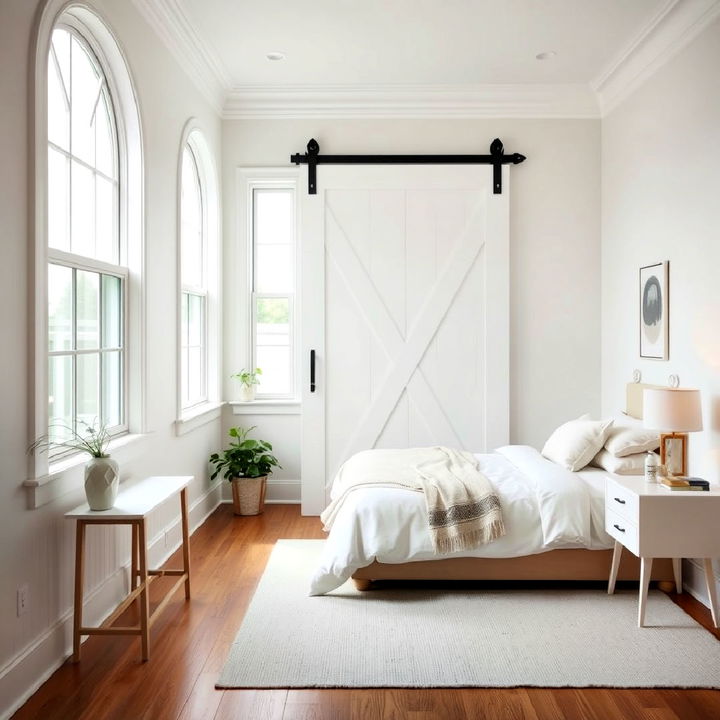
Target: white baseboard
x: 694, y: 581
x: 37, y: 661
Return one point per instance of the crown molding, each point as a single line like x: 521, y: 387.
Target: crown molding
x: 202, y: 64
x: 671, y: 29
x: 411, y: 101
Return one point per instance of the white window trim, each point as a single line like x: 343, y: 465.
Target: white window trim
x: 189, y: 418
x: 104, y: 45
x: 242, y: 323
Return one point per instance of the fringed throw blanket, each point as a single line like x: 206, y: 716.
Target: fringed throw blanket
x: 463, y: 509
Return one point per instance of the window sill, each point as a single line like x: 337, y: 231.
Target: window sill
x: 266, y: 407
x: 196, y: 417
x: 68, y: 474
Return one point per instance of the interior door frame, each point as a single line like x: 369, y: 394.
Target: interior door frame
x: 497, y: 323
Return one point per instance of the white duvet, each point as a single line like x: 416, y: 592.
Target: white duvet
x: 544, y: 507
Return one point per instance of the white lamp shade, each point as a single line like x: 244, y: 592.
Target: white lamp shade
x: 672, y: 409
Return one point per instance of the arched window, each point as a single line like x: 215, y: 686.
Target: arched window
x: 88, y: 227
x: 193, y: 241
x: 198, y: 272
x: 87, y: 274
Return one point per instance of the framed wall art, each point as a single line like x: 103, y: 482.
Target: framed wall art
x: 654, y: 311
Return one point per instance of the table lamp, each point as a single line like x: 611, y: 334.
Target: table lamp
x: 674, y: 412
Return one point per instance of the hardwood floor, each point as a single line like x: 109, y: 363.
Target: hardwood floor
x: 189, y: 644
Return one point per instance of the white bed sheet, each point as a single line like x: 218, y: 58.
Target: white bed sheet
x: 544, y: 507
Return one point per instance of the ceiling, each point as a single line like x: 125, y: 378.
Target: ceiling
x: 423, y: 58
x: 417, y: 42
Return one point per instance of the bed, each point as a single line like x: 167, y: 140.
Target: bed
x: 554, y: 520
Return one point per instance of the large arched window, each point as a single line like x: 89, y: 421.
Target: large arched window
x: 88, y: 229
x: 87, y: 274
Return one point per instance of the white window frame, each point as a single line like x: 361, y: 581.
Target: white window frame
x: 47, y: 479
x: 243, y: 351
x: 208, y: 409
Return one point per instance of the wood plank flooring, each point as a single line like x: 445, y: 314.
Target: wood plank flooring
x: 190, y: 641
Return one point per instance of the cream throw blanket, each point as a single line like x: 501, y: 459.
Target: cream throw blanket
x: 463, y: 509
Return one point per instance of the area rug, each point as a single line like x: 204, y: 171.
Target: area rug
x: 440, y: 637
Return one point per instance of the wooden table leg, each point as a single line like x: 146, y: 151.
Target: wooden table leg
x: 134, y: 557
x: 677, y: 572
x: 79, y: 572
x: 617, y: 554
x: 145, y: 593
x: 645, y: 573
x: 185, y: 540
x: 711, y: 589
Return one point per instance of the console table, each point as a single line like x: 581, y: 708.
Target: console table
x: 132, y: 507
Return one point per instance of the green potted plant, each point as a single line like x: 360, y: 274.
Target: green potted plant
x: 246, y: 463
x: 248, y: 380
x: 102, y: 476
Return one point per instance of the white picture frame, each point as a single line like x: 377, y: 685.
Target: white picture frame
x: 654, y: 311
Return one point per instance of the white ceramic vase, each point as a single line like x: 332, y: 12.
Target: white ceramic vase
x: 101, y: 482
x: 247, y: 393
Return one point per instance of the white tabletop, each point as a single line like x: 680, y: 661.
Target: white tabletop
x: 638, y: 485
x: 138, y: 501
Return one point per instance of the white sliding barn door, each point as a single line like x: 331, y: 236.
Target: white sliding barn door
x: 405, y: 302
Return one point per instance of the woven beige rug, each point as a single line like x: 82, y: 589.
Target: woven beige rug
x: 459, y: 638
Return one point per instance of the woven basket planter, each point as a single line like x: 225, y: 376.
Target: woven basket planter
x: 249, y: 495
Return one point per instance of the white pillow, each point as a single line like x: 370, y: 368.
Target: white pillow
x: 624, y: 441
x: 626, y: 465
x: 574, y: 444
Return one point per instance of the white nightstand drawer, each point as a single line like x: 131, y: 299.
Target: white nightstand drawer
x: 625, y: 532
x: 622, y: 501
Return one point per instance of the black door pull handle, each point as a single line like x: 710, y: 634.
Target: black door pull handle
x: 622, y: 502
x: 312, y: 371
x: 619, y: 528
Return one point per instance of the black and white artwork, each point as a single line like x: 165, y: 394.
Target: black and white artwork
x: 654, y: 311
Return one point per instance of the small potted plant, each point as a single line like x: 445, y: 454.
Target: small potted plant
x: 246, y: 463
x: 102, y: 476
x: 248, y: 380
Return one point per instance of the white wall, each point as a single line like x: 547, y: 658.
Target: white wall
x: 36, y: 546
x: 660, y: 201
x: 554, y: 236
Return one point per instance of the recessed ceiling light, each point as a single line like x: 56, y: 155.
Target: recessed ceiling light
x: 275, y: 56
x: 546, y: 55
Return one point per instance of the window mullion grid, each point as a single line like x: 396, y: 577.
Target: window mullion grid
x: 82, y: 162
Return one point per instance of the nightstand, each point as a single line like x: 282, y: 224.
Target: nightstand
x: 653, y: 522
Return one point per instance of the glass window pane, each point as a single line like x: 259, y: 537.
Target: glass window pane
x: 273, y: 311
x: 85, y: 88
x: 104, y: 137
x: 195, y: 375
x: 58, y: 104
x: 111, y: 311
x: 61, y: 45
x: 60, y: 394
x: 88, y: 385
x: 274, y: 217
x: 184, y: 332
x: 87, y: 291
x: 274, y: 271
x: 106, y: 239
x: 184, y: 377
x: 82, y: 224
x: 112, y: 388
x: 58, y: 200
x: 196, y: 317
x: 276, y: 366
x: 191, y: 219
x: 60, y: 305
